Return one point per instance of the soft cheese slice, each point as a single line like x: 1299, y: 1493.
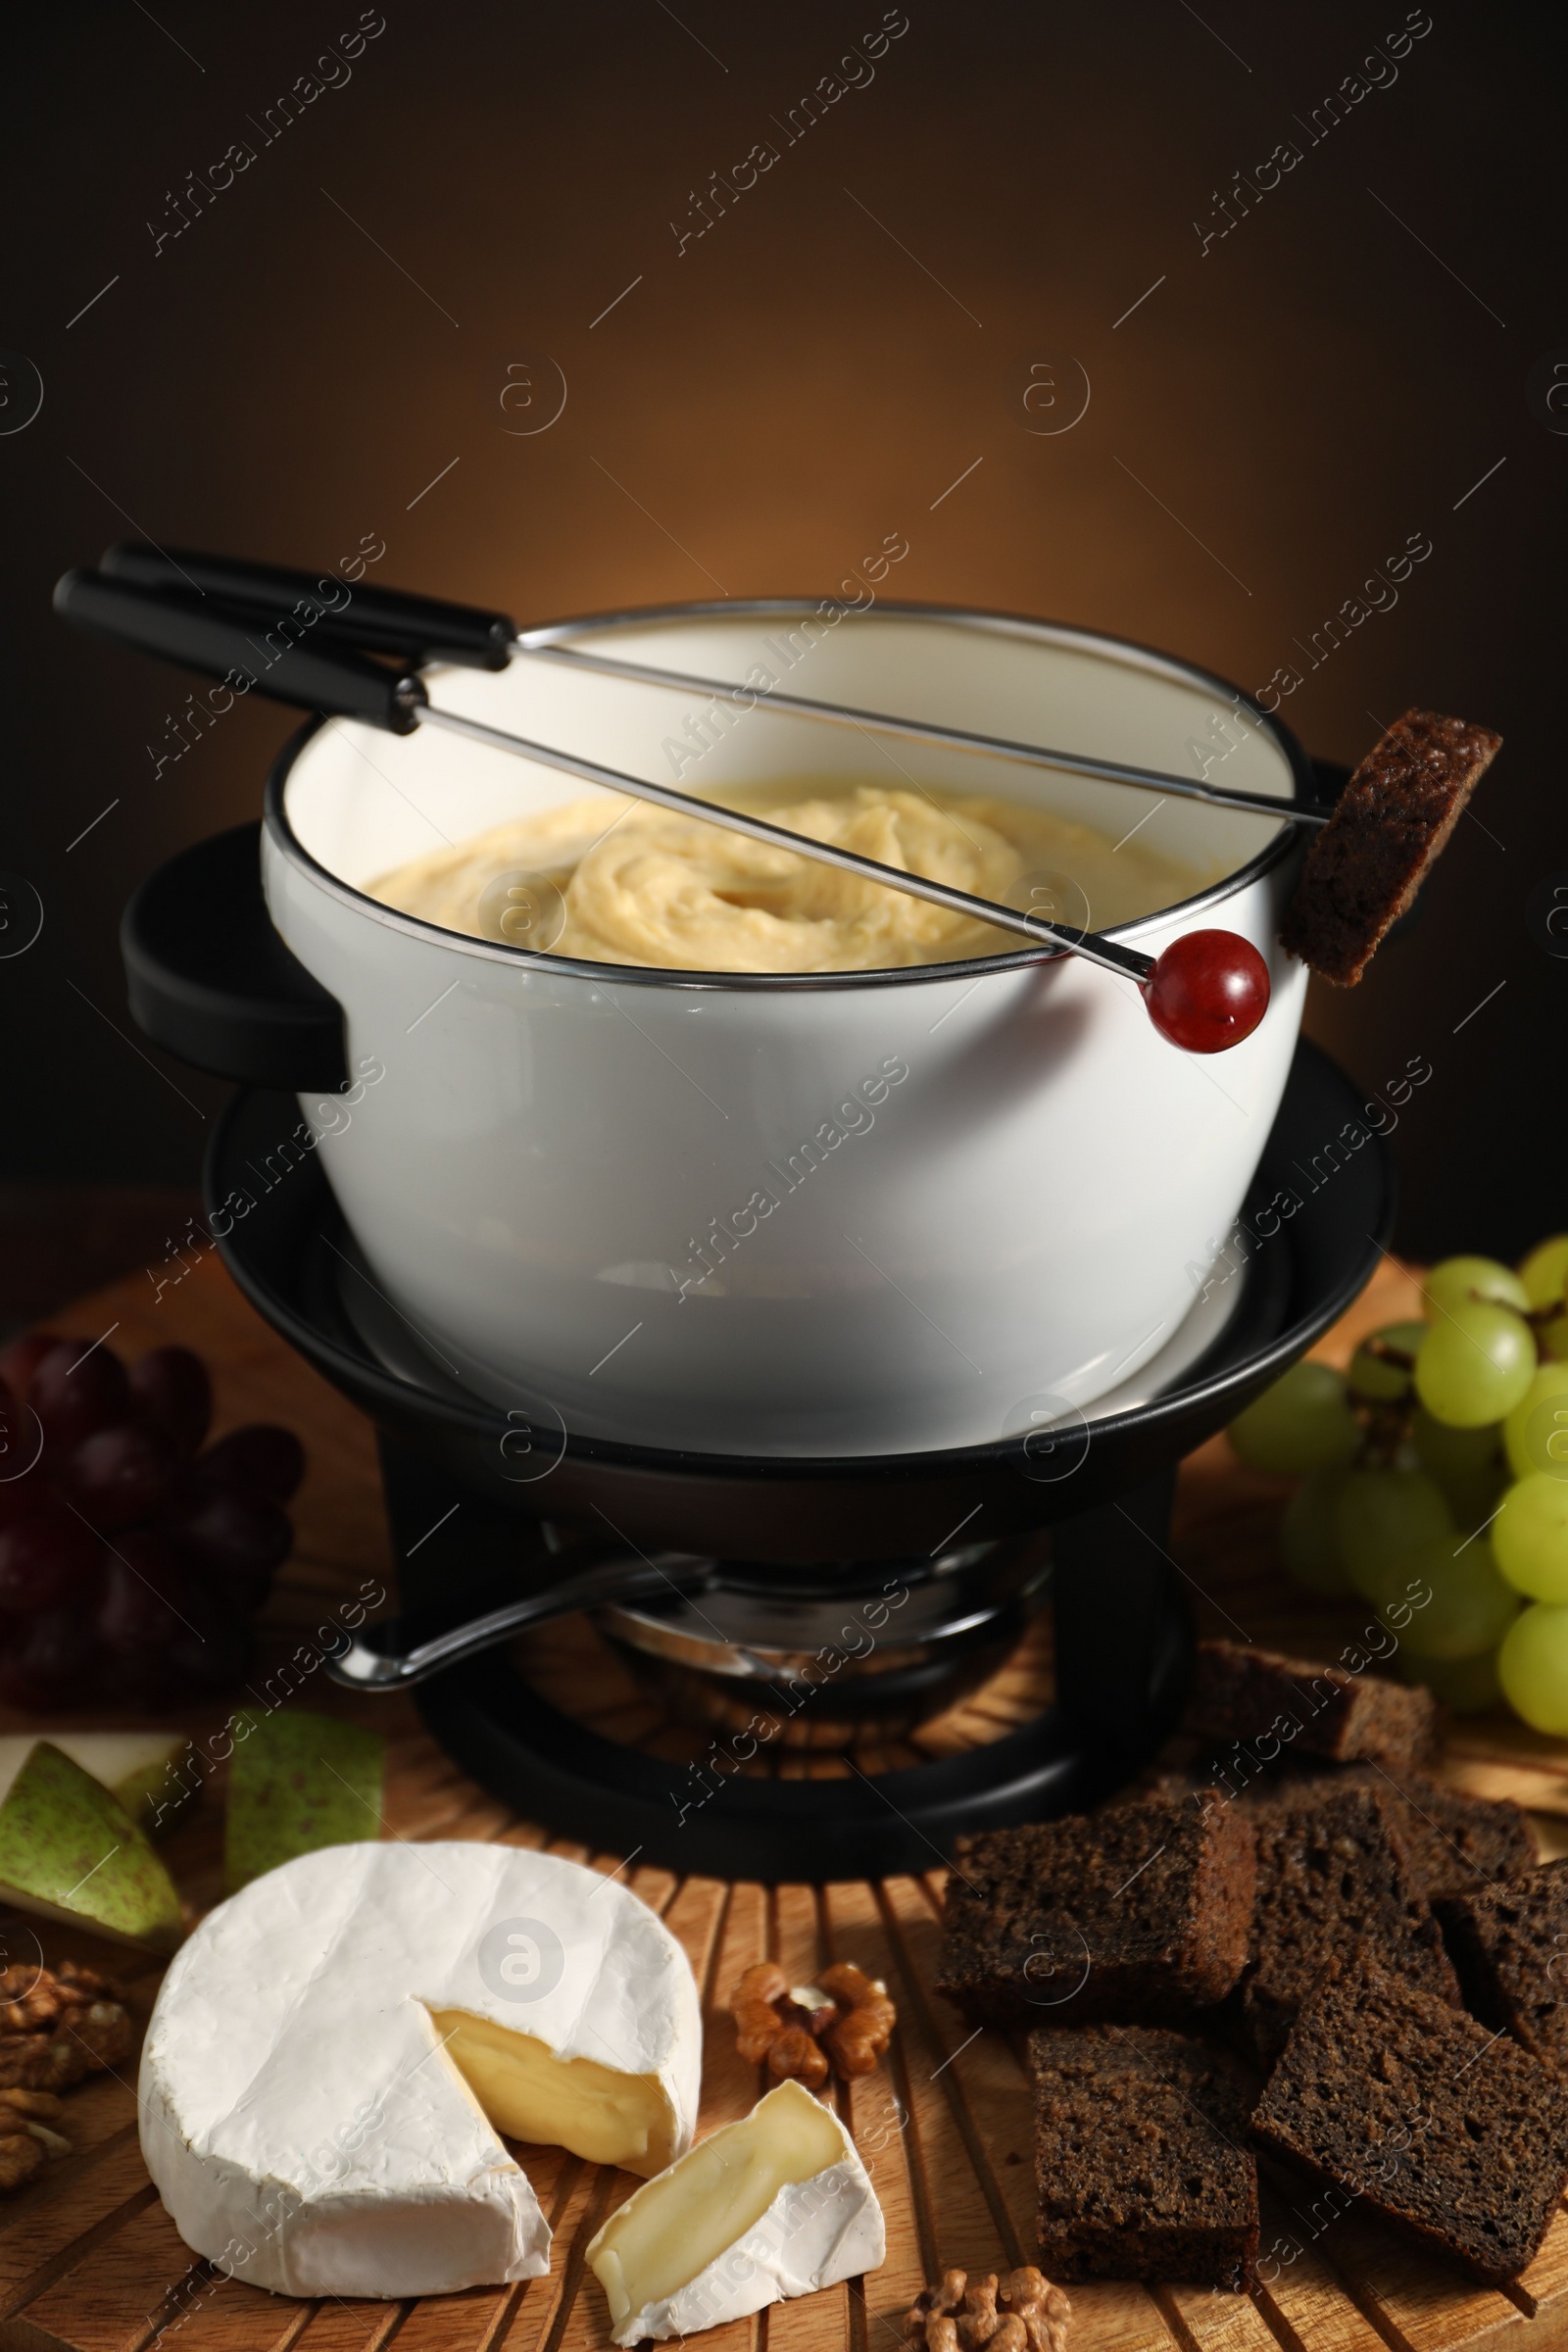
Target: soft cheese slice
x: 312, y: 2127
x: 778, y: 2205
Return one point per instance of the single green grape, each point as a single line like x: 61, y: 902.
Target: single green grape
x: 1467, y: 1465
x: 1449, y: 1452
x: 1310, y: 1543
x: 1455, y: 1604
x: 1379, y: 1382
x: 1466, y: 1685
x: 1381, y: 1517
x: 1533, y: 1668
x: 1530, y: 1537
x: 1546, y: 1270
x: 1474, y: 1500
x: 1462, y: 1281
x: 1536, y: 1432
x: 1475, y: 1364
x: 1302, y: 1423
x: 1393, y: 1583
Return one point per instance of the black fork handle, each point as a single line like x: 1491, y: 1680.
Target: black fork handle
x: 377, y: 620
x: 271, y: 656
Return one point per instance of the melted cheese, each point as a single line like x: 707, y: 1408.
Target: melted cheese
x: 618, y: 882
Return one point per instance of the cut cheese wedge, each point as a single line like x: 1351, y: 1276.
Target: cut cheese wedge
x: 776, y: 2206
x: 336, y: 2050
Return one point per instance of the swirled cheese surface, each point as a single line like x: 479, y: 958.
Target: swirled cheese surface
x: 616, y: 881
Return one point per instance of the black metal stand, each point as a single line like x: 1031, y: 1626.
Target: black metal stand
x: 468, y: 1526
x: 1123, y: 1659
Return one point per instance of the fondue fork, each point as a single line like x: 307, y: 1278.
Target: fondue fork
x: 418, y: 628
x: 1206, y: 993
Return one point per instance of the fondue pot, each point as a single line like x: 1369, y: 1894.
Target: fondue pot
x: 795, y: 1216
x: 748, y: 1312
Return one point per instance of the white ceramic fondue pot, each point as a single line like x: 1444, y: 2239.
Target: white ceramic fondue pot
x: 829, y: 1214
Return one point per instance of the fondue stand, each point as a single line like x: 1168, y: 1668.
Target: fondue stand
x: 788, y: 1606
x: 833, y: 1599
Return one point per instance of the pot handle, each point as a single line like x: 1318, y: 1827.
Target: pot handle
x: 210, y: 979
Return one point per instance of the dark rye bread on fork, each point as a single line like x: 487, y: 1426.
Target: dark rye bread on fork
x: 1392, y: 821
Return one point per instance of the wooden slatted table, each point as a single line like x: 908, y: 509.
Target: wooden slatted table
x: 89, y: 2261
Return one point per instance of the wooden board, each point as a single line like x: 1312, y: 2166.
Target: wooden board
x: 89, y: 2262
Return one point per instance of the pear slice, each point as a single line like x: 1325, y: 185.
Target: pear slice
x: 298, y: 1782
x: 136, y: 1767
x: 70, y: 1851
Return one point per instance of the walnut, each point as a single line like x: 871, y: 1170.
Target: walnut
x: 783, y: 2026
x: 38, y: 2106
x: 57, y: 2025
x: 25, y: 2139
x: 959, y: 2317
x: 773, y: 2029
x: 866, y: 2019
x: 21, y: 2158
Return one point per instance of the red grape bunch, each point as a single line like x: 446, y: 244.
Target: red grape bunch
x: 131, y: 1562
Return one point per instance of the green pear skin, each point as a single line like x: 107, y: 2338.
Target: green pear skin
x: 70, y: 1851
x: 298, y: 1782
x: 137, y: 1767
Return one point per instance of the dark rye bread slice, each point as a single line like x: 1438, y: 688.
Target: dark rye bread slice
x: 1453, y: 1843
x: 1245, y: 1695
x: 1510, y: 1946
x: 1141, y: 2158
x: 1457, y: 2138
x: 1331, y: 1879
x: 1390, y: 824
x: 1138, y: 1912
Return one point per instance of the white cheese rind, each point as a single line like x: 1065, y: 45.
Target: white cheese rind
x: 305, y: 2128
x: 815, y: 2234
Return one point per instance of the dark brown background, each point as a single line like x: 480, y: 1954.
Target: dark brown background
x: 1272, y: 422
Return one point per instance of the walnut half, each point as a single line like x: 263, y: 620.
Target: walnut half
x: 57, y: 2025
x: 784, y: 2026
x: 26, y: 2141
x: 961, y: 2315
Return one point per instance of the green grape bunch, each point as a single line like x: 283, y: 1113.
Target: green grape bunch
x: 1434, y: 1481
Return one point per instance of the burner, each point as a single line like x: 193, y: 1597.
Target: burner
x: 1122, y: 1643
x: 825, y: 1658
x: 806, y: 1552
